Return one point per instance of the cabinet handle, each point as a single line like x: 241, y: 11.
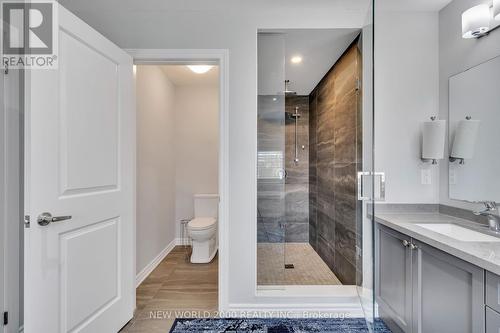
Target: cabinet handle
x: 406, y: 243
x: 413, y: 246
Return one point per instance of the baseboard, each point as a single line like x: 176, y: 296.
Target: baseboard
x: 182, y: 241
x: 142, y: 275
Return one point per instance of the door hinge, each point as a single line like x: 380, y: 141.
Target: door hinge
x: 358, y: 84
x: 26, y: 221
x: 5, y: 318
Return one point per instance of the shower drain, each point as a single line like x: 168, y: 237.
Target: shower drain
x: 289, y: 266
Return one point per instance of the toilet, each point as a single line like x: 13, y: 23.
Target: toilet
x: 202, y: 229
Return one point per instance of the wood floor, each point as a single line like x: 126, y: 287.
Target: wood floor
x: 176, y: 288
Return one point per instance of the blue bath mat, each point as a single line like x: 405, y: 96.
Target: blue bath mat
x: 270, y: 325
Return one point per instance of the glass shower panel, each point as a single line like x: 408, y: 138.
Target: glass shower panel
x: 366, y: 174
x: 271, y: 172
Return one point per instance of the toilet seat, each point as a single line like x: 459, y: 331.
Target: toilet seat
x: 201, y: 223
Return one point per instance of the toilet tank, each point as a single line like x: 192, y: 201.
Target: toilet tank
x: 206, y: 205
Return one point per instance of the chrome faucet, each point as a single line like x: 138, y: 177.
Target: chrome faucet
x: 492, y: 214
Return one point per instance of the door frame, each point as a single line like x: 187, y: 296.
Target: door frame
x: 221, y: 58
x: 11, y: 197
x: 3, y: 202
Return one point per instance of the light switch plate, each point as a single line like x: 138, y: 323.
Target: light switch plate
x: 453, y: 177
x: 426, y: 177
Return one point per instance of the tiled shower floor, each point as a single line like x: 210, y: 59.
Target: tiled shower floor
x: 309, y: 268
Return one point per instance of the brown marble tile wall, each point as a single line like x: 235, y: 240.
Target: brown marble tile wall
x: 335, y: 158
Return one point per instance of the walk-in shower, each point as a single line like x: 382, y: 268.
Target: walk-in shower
x: 309, y: 228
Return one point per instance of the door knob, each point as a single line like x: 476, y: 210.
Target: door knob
x: 46, y: 218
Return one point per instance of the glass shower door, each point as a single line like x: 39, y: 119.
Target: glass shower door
x: 271, y: 173
x: 366, y: 174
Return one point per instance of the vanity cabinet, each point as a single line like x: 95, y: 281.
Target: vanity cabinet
x: 420, y: 289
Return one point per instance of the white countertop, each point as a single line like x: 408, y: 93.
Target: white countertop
x: 483, y: 254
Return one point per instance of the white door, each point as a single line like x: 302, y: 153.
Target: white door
x: 80, y: 162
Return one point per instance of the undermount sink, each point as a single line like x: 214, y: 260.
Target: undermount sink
x: 459, y: 233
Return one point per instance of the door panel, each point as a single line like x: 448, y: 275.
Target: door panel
x: 448, y: 293
x: 493, y: 291
x: 80, y: 158
x: 393, y: 278
x: 83, y: 168
x: 84, y: 268
x: 492, y: 321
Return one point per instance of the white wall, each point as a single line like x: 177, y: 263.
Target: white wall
x: 155, y: 164
x: 406, y: 94
x: 196, y: 145
x: 456, y: 55
x: 228, y: 25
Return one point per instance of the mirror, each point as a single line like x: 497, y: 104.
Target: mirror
x: 474, y: 133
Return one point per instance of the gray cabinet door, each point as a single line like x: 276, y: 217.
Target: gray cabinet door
x: 393, y: 278
x: 448, y: 293
x: 493, y: 291
x: 492, y: 321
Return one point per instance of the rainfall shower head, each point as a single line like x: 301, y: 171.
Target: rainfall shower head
x: 287, y: 91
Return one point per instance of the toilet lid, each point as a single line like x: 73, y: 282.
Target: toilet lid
x: 201, y: 222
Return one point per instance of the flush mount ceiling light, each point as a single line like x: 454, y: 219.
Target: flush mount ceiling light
x: 296, y: 59
x: 496, y: 9
x: 200, y: 69
x: 476, y: 21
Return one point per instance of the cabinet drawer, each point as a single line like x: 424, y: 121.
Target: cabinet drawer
x: 493, y: 291
x: 492, y: 321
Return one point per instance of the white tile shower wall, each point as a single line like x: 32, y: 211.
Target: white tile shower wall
x: 406, y: 93
x: 456, y: 55
x: 155, y: 164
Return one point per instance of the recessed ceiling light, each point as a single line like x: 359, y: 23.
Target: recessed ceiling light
x: 296, y: 59
x: 200, y: 69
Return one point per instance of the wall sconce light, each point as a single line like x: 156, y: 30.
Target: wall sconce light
x: 433, y: 140
x: 465, y: 140
x: 496, y: 10
x: 476, y: 21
